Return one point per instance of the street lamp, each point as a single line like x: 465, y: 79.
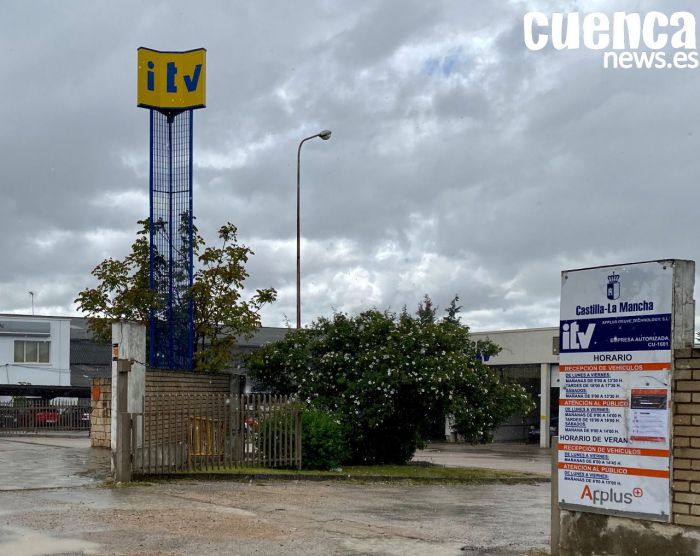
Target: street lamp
x: 325, y: 135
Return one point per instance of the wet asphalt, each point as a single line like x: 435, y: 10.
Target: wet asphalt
x: 526, y: 458
x: 29, y: 462
x: 75, y: 513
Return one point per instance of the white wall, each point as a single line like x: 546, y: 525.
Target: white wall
x: 55, y: 373
x: 521, y: 347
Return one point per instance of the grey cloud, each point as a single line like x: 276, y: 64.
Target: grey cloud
x: 460, y: 162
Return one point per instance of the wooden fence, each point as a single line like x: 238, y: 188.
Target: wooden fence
x: 205, y: 432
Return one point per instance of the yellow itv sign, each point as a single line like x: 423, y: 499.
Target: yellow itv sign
x: 171, y: 80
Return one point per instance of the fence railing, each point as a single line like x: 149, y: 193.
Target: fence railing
x: 206, y: 432
x: 35, y: 417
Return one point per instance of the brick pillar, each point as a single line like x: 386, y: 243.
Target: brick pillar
x: 101, y: 414
x: 685, y: 489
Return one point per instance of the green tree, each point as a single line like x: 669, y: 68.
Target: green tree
x: 123, y: 291
x: 220, y: 311
x: 426, y: 310
x: 384, y: 375
x: 453, y: 311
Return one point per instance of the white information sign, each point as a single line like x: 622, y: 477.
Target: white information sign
x: 615, y: 371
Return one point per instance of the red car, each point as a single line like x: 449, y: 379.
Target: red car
x: 46, y: 417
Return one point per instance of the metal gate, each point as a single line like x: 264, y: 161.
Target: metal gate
x: 207, y: 432
x: 39, y: 416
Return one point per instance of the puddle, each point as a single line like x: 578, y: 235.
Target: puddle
x: 45, y: 466
x: 26, y: 542
x: 232, y: 511
x: 399, y: 547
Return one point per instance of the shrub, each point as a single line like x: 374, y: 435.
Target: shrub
x: 323, y: 444
x: 385, y: 375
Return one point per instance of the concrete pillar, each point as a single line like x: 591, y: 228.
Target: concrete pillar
x: 450, y: 434
x: 545, y: 386
x: 121, y: 455
x: 129, y: 345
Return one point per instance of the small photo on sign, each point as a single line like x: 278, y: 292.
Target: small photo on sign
x: 649, y: 415
x: 648, y: 399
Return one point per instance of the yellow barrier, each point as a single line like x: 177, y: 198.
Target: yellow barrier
x: 206, y: 437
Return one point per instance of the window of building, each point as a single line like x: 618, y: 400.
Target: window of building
x: 32, y: 351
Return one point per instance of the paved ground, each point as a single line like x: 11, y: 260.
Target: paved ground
x: 295, y: 518
x: 528, y: 458
x: 49, y: 462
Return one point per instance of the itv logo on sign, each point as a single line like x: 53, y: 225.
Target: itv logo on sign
x: 171, y: 80
x: 573, y: 337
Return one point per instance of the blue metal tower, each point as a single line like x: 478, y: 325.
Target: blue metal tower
x: 171, y: 85
x: 171, y: 328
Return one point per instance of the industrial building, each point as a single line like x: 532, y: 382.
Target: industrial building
x: 58, y: 357
x: 531, y: 358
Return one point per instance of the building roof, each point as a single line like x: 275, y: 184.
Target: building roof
x: 262, y: 336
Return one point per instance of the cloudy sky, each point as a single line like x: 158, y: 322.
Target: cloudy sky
x: 460, y: 162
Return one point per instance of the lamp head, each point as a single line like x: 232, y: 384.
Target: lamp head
x: 325, y: 134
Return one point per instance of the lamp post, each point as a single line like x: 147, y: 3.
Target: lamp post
x: 325, y: 135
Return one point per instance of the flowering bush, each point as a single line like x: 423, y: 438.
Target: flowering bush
x: 384, y: 375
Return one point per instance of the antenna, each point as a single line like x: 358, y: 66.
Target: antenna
x: 32, y: 294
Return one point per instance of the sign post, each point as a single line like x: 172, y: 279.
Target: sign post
x: 616, y: 354
x: 171, y: 85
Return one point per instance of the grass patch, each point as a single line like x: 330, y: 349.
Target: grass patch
x: 415, y: 472
x: 428, y: 472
